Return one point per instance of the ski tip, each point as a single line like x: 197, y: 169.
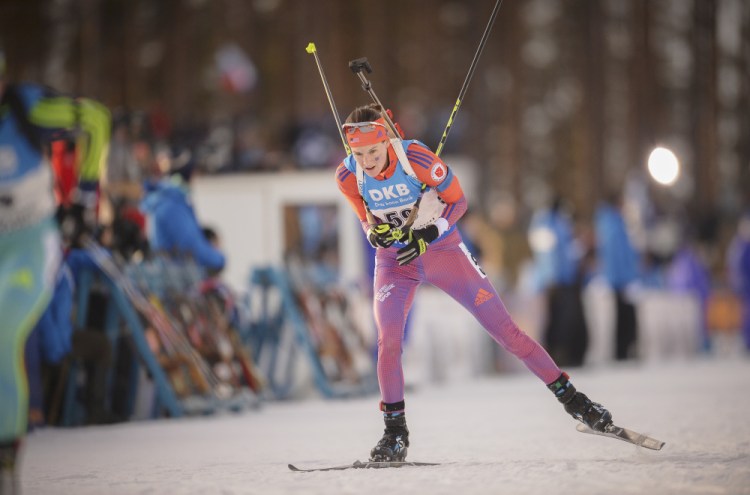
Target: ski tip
x: 650, y: 444
x: 626, y: 435
x: 293, y: 467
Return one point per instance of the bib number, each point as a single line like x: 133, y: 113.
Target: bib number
x: 398, y: 218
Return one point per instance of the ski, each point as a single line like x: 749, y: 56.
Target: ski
x: 364, y: 465
x: 625, y: 435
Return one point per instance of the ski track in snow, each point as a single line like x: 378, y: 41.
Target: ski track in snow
x: 498, y: 434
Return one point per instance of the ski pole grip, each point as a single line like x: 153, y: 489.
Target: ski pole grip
x: 360, y: 64
x: 311, y: 48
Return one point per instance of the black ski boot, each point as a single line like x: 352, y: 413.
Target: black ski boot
x: 592, y: 414
x: 393, y: 446
x: 9, y: 484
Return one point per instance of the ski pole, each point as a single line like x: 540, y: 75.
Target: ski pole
x: 314, y: 52
x: 472, y: 67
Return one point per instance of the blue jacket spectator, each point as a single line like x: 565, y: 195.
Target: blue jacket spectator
x: 618, y: 262
x: 172, y: 225
x: 617, y: 257
x: 557, y: 256
x: 556, y: 253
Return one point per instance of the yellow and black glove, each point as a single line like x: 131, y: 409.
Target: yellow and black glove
x: 381, y: 235
x: 416, y: 244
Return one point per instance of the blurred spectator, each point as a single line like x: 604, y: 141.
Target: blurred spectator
x: 123, y: 189
x: 172, y: 225
x: 217, y: 148
x: 54, y: 345
x: 311, y: 147
x: 31, y: 116
x: 49, y: 341
x: 557, y: 257
x: 64, y: 161
x: 485, y: 242
x: 122, y: 166
x: 652, y: 273
x: 738, y: 263
x: 211, y: 236
x: 249, y: 152
x: 618, y: 262
x: 687, y: 273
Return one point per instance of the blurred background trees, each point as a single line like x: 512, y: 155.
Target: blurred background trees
x: 569, y: 97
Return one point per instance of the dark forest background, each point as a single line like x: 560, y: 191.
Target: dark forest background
x: 569, y: 96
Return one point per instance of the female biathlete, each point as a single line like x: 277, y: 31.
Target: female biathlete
x: 387, y: 177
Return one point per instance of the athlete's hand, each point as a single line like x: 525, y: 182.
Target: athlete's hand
x: 381, y: 235
x: 416, y: 244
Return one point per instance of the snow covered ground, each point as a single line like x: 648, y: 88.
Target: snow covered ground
x: 502, y: 434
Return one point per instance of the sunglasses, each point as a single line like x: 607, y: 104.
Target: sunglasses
x: 363, y: 127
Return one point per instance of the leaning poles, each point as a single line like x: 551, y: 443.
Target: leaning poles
x: 311, y: 49
x: 361, y: 65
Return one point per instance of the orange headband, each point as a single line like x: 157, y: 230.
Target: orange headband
x: 365, y: 133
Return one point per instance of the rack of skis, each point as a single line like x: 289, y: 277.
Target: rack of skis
x: 204, y: 351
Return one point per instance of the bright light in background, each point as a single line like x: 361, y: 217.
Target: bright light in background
x: 663, y: 166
